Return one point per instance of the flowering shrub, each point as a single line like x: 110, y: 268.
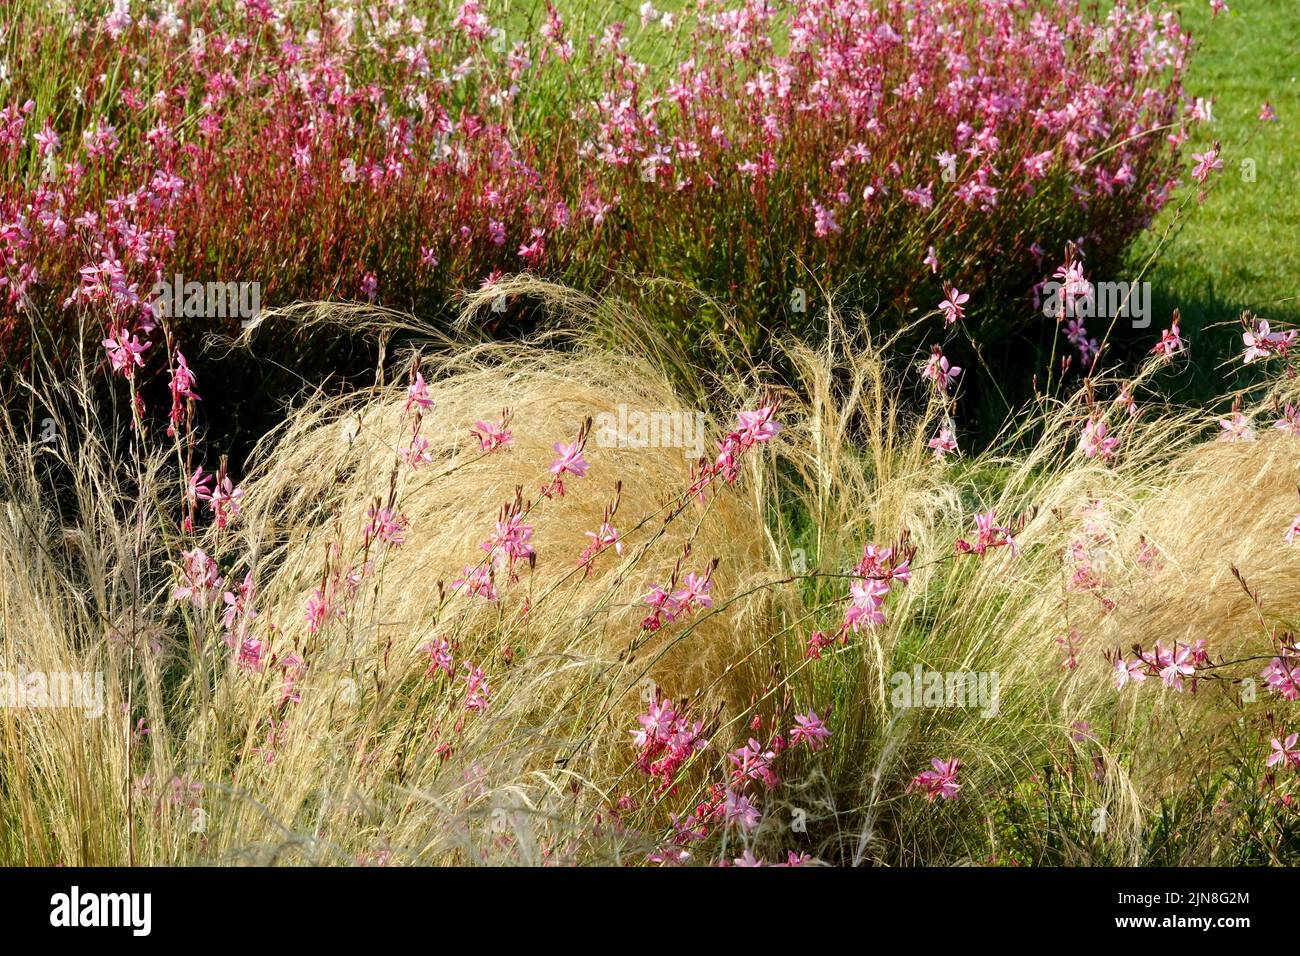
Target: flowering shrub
x: 378, y: 152
x: 906, y: 145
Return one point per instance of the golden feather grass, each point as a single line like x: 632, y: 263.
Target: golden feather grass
x: 379, y: 761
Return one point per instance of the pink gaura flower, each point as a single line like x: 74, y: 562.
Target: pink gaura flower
x: 938, y: 370
x: 866, y: 605
x: 368, y: 285
x: 753, y: 762
x: 532, y: 252
x: 477, y: 691
x: 292, y: 668
x: 756, y: 426
x: 472, y: 20
x: 1236, y: 428
x: 570, y: 462
x: 951, y: 307
x: 225, y: 501
x: 1077, y: 334
x: 182, y: 392
x: 810, y: 729
x: 944, y: 443
x: 199, y: 486
x: 318, y: 608
x: 1171, y: 665
x: 824, y: 223
x: 1148, y: 555
x: 1037, y: 164
x: 200, y: 580
x: 386, y: 525
x: 817, y: 641
x: 932, y: 260
x: 663, y: 609
x: 1176, y: 666
x: 878, y: 563
x: 1206, y: 163
x: 477, y: 581
x: 1170, y: 342
x: 941, y: 781
x: 1126, y: 671
x: 739, y: 809
x: 1266, y: 113
x: 251, y: 652
x: 1094, y: 443
x: 657, y: 722
x: 1282, y: 675
x: 1284, y: 752
x: 417, y: 453
x: 1293, y: 532
x: 47, y: 140
x: 605, y: 537
x: 239, y: 604
x: 873, y: 579
x: 1261, y: 342
x: 1290, y: 421
x: 694, y: 592
x: 440, y: 658
x: 1125, y: 400
x: 125, y: 352
x: 922, y: 196
x: 665, y: 741
x: 493, y: 435
x: 510, y: 539
x: 417, y: 395
x: 988, y: 535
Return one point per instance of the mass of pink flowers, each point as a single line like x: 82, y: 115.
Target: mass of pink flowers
x: 370, y: 153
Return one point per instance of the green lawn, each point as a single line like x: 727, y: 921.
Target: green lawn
x: 1239, y: 249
